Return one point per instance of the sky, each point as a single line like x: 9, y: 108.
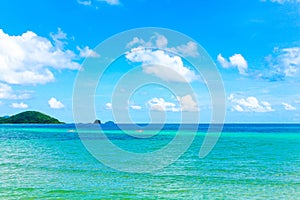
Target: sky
x: 254, y: 45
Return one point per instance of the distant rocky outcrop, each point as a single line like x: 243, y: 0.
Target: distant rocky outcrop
x: 97, y: 121
x: 29, y: 117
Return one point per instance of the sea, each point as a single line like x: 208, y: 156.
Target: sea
x: 249, y: 161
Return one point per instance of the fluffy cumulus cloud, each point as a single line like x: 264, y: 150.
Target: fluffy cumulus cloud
x: 237, y: 60
x: 29, y: 58
x: 19, y: 105
x: 186, y: 104
x: 159, y: 61
x: 288, y: 106
x: 55, y: 104
x: 161, y: 41
x: 249, y: 104
x: 161, y: 64
x: 6, y: 92
x: 86, y: 52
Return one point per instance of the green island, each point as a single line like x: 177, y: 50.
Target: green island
x: 29, y: 117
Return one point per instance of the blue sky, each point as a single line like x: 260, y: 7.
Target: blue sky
x: 255, y: 45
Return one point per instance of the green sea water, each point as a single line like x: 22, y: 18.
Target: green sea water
x: 50, y: 162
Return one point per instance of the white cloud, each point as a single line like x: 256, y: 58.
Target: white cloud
x: 161, y: 42
x: 159, y: 63
x: 238, y: 108
x: 249, y: 104
x: 189, y: 49
x: 59, y: 38
x: 135, y: 107
x: 237, y: 60
x: 85, y: 3
x: 135, y: 41
x: 285, y: 62
x: 111, y: 2
x: 86, y: 52
x: 28, y: 58
x: 283, y: 1
x: 187, y: 103
x: 19, y: 105
x: 224, y: 63
x: 90, y: 3
x: 6, y: 92
x: 288, y: 106
x: 55, y: 104
x: 159, y: 104
x: 108, y: 106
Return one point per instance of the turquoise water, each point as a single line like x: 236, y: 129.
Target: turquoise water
x: 50, y: 162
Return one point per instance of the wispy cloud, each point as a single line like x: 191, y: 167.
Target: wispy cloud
x: 19, y: 105
x: 6, y: 92
x: 111, y: 2
x: 90, y: 2
x: 135, y: 107
x: 85, y: 3
x: 188, y: 49
x: 59, y: 38
x: 283, y: 63
x: 282, y: 1
x: 288, y: 106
